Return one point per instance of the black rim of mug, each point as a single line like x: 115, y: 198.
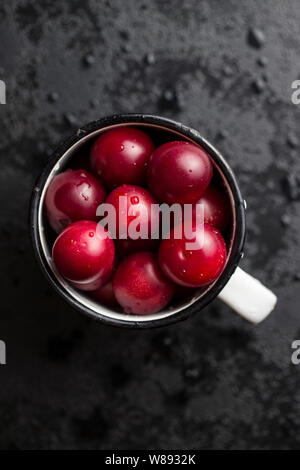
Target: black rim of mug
x: 190, y: 133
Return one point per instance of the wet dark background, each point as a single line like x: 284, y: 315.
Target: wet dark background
x: 213, y: 381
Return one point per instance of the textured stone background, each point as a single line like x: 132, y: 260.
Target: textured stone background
x: 213, y: 381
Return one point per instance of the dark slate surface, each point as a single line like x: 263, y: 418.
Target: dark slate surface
x: 213, y: 381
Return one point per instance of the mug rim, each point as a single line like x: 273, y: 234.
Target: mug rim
x: 138, y: 118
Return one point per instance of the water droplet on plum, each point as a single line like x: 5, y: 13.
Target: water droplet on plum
x: 134, y: 200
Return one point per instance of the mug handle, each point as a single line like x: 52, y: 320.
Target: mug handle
x: 248, y: 296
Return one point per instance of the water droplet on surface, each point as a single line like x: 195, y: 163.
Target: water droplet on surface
x: 134, y: 200
x: 91, y: 234
x: 285, y: 220
x: 70, y: 119
x: 292, y: 140
x: 256, y: 38
x: 262, y: 61
x: 122, y: 147
x: 292, y: 187
x: 53, y: 97
x: 70, y: 242
x: 88, y: 60
x: 149, y: 58
x: 258, y: 85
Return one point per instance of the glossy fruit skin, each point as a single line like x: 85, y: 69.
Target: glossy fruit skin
x: 197, y: 267
x: 84, y: 254
x: 139, y: 202
x: 216, y: 208
x: 73, y: 195
x: 105, y: 296
x: 179, y: 172
x: 120, y: 156
x: 140, y: 286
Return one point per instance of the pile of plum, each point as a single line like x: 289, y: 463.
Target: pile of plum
x: 137, y: 276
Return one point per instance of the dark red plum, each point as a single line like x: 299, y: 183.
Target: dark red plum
x: 140, y: 286
x: 179, y: 172
x: 84, y: 254
x: 193, y: 267
x: 73, y: 195
x: 120, y: 156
